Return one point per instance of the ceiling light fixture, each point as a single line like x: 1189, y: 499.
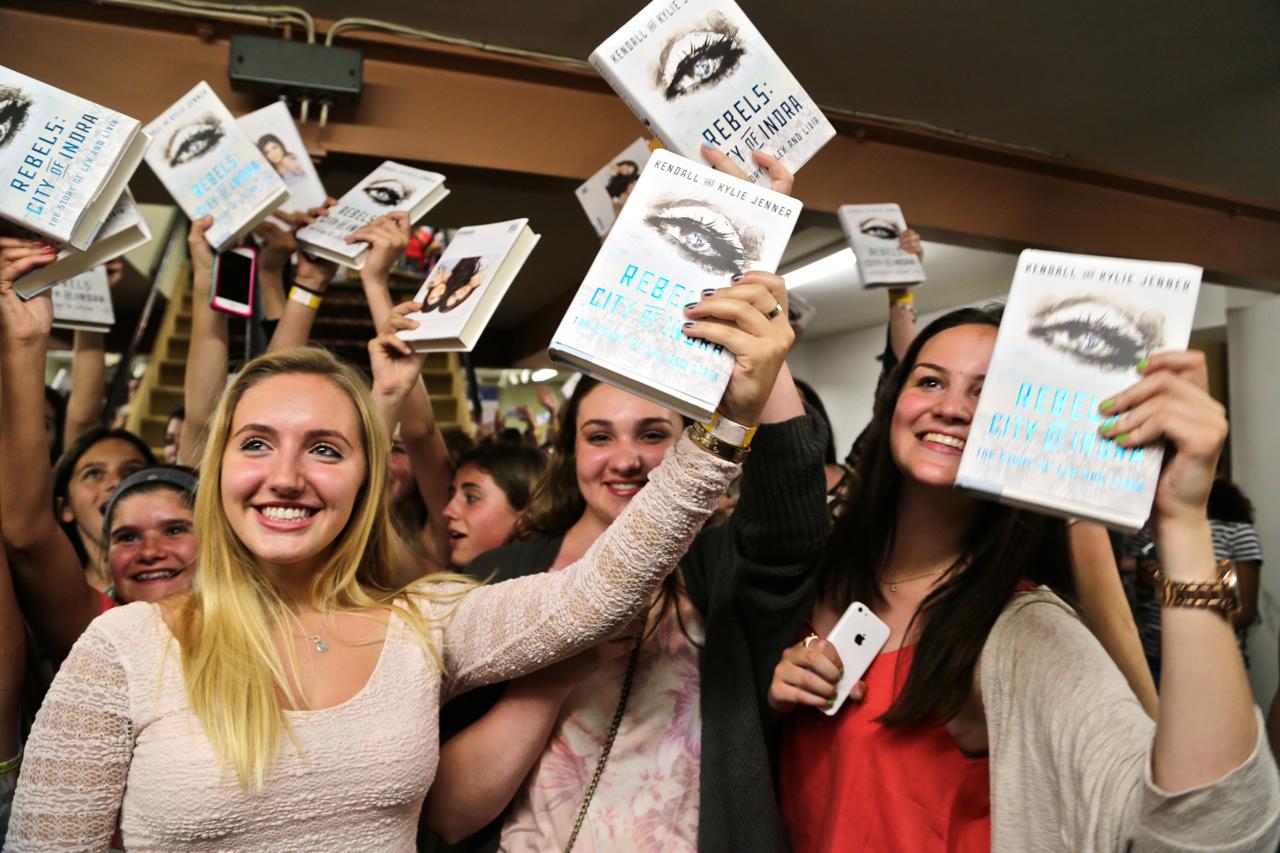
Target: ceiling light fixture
x: 837, y: 262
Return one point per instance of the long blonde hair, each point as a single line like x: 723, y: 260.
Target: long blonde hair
x: 229, y: 660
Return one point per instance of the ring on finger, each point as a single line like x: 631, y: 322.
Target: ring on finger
x: 777, y: 309
x: 809, y: 640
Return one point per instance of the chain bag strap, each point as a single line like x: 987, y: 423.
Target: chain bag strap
x: 608, y: 742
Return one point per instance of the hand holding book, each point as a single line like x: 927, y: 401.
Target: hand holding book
x: 750, y: 320
x: 1172, y: 403
x: 780, y: 178
x: 394, y: 363
x: 202, y: 254
x: 387, y: 237
x: 23, y: 324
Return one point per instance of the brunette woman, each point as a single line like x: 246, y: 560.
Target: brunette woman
x: 993, y: 719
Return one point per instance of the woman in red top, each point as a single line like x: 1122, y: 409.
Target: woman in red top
x: 903, y: 765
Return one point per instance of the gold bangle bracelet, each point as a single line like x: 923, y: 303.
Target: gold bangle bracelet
x: 728, y: 452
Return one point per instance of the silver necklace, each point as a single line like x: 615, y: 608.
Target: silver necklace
x: 317, y: 640
x: 893, y: 587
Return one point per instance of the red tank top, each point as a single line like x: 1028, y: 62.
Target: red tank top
x: 850, y: 783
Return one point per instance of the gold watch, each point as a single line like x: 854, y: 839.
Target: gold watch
x: 1222, y: 595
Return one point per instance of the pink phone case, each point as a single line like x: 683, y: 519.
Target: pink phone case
x: 220, y: 303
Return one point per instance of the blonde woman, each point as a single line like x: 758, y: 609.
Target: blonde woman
x: 291, y: 701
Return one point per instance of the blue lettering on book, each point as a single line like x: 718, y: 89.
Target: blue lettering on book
x: 79, y: 135
x: 1059, y: 426
x: 39, y: 157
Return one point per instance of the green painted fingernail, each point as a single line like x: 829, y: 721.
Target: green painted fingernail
x: 830, y: 702
x: 1122, y: 437
x: 1142, y: 365
x: 1106, y: 404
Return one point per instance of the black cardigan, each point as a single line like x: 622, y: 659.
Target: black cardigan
x: 750, y: 580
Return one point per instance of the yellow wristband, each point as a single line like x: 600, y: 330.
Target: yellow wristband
x: 304, y: 297
x: 729, y: 432
x: 901, y: 296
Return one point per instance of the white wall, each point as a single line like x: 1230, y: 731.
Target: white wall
x: 1253, y: 351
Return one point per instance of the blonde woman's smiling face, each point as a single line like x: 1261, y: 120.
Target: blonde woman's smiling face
x: 292, y: 468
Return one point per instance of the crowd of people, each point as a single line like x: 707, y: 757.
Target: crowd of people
x: 322, y: 623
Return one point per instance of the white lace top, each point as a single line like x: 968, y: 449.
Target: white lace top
x: 116, y: 739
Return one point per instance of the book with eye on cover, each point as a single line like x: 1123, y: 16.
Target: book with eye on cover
x: 389, y: 188
x: 124, y: 231
x: 467, y: 283
x: 65, y: 160
x: 1074, y: 329
x: 604, y: 192
x: 84, y: 302
x: 273, y: 131
x: 872, y: 232
x: 685, y: 229
x: 699, y: 72
x: 211, y: 167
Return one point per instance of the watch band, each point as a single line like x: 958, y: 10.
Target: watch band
x: 729, y: 432
x: 1221, y: 594
x: 304, y: 297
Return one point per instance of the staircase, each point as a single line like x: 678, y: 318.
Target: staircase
x: 342, y: 325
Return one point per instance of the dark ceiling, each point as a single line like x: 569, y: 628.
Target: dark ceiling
x: 1180, y: 89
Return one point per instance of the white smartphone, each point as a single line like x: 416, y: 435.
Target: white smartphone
x: 233, y: 274
x: 858, y: 637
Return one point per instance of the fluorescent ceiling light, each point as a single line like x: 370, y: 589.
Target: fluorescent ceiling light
x: 828, y: 265
x: 545, y: 373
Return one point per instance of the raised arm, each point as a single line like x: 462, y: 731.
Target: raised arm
x: 48, y: 575
x: 207, y: 359
x: 902, y: 307
x: 312, y: 279
x: 89, y: 373
x: 13, y: 661
x: 77, y: 758
x: 1106, y: 610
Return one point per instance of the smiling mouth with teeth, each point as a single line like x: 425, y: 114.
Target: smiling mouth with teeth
x: 948, y: 440
x: 286, y: 513
x: 156, y: 575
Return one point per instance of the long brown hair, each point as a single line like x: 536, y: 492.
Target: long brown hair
x: 1003, y: 547
x: 557, y: 502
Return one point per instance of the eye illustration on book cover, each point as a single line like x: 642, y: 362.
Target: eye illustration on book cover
x: 194, y: 140
x: 879, y: 228
x: 1096, y: 331
x: 14, y: 108
x: 705, y: 235
x: 625, y: 175
x: 387, y: 192
x: 284, y: 161
x: 699, y: 58
x: 455, y: 283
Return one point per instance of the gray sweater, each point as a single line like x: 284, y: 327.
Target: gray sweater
x: 1071, y: 752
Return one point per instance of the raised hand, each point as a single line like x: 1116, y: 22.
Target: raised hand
x: 387, y: 237
x: 23, y: 323
x: 202, y: 254
x: 1171, y: 403
x: 750, y: 320
x: 909, y: 241
x: 394, y: 364
x: 278, y: 244
x: 780, y: 179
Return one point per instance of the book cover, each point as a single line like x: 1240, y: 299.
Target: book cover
x: 686, y: 228
x: 65, y: 160
x: 211, y: 166
x: 124, y: 231
x: 873, y: 231
x: 602, y: 194
x: 273, y: 131
x: 1073, y: 330
x: 388, y: 188
x: 84, y: 302
x: 467, y: 283
x: 699, y: 72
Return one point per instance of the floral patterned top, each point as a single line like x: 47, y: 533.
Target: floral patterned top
x: 647, y: 799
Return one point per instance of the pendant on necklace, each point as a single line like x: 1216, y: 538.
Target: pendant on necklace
x: 321, y: 645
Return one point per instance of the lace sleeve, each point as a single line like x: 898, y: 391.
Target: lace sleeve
x: 503, y: 631
x: 77, y: 758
